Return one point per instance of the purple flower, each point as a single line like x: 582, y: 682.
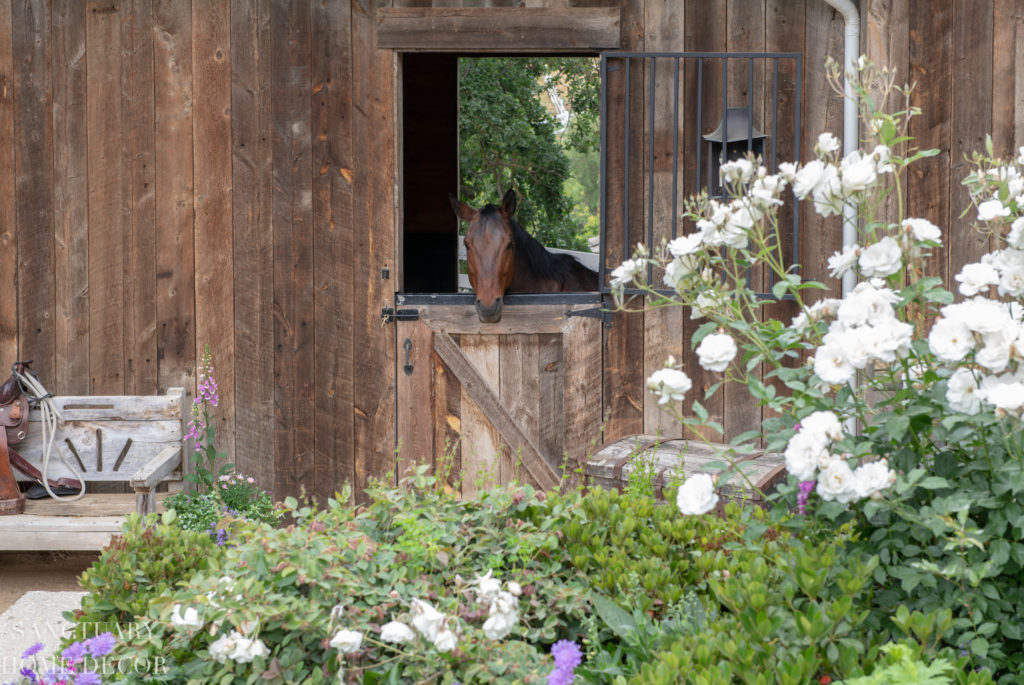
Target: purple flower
x: 806, y: 488
x: 88, y: 678
x: 74, y: 653
x: 29, y: 673
x: 222, y: 537
x: 33, y: 650
x: 102, y: 644
x: 567, y: 657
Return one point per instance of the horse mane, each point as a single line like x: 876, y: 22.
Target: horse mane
x: 542, y: 264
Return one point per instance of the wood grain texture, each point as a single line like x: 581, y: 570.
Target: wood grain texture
x: 333, y: 235
x: 211, y: 125
x: 551, y: 390
x: 931, y: 66
x: 8, y: 217
x: 105, y: 200
x: 253, y: 249
x: 70, y: 196
x: 447, y: 422
x: 475, y: 364
x: 139, y: 142
x: 519, y: 391
x: 533, y: 29
x: 293, y: 246
x: 1005, y: 53
x: 33, y: 184
x: 175, y: 294
x: 415, y: 396
x: 972, y: 36
x: 581, y: 393
x: 373, y: 225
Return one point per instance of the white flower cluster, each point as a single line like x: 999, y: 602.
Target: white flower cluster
x: 440, y: 630
x: 240, y: 645
x: 503, y: 605
x: 998, y: 206
x: 830, y: 184
x: 865, y: 330
x: 238, y: 648
x: 670, y: 384
x: 1003, y: 269
x: 809, y: 455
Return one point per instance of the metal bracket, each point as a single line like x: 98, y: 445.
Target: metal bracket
x: 407, y: 367
x: 388, y: 314
x: 605, y: 315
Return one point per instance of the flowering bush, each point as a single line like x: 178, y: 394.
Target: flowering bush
x: 201, y: 430
x: 76, y: 665
x: 897, y: 408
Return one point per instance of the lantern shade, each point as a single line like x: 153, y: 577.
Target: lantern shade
x: 736, y: 124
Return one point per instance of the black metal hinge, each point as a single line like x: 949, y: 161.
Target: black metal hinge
x: 605, y: 315
x: 388, y: 314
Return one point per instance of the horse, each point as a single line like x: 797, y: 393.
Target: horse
x: 503, y: 258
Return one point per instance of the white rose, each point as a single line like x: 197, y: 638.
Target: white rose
x: 962, y: 392
x: 976, y: 277
x: 853, y: 343
x: 737, y: 171
x: 716, y: 351
x: 397, y: 632
x: 706, y: 301
x: 824, y: 423
x: 857, y: 172
x: 445, y: 641
x: 487, y: 588
x: 426, y: 619
x: 841, y: 262
x: 987, y: 211
x: 837, y: 482
x: 765, y: 191
x: 1011, y: 282
x: 828, y: 198
x: 696, y: 495
x: 872, y: 478
x: 950, y: 340
x: 246, y: 650
x: 624, y: 274
x: 223, y: 646
x: 881, y: 156
x: 685, y: 245
x: 671, y: 384
x: 889, y: 339
x: 1016, y: 236
x: 922, y: 229
x: 499, y: 625
x: 803, y: 453
x: 514, y: 588
x: 884, y: 258
x: 831, y: 366
x: 677, y: 270
x: 347, y: 641
x: 788, y: 171
x: 826, y: 143
x: 189, y: 620
x: 504, y: 603
x: 808, y: 178
x: 1007, y: 395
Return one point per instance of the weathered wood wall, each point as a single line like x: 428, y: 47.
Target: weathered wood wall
x: 175, y: 174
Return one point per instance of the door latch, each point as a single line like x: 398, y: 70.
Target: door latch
x: 407, y: 367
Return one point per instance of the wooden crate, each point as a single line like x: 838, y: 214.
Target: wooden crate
x: 613, y: 463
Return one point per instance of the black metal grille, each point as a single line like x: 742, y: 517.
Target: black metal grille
x: 751, y: 80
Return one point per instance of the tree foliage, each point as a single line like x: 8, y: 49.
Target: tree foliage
x: 508, y: 139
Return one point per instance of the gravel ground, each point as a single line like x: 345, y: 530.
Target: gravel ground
x: 35, y: 617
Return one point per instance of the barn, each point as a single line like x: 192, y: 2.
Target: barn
x: 264, y: 176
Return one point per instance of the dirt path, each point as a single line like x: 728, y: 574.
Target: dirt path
x: 21, y: 572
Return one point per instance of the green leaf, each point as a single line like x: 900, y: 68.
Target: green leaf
x: 620, y: 622
x: 934, y: 483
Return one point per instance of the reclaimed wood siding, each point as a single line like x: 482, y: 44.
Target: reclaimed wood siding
x: 178, y: 173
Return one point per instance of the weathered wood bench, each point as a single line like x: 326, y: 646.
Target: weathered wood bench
x: 664, y: 459
x: 117, y: 439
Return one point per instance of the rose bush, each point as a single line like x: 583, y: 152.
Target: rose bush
x: 897, y: 407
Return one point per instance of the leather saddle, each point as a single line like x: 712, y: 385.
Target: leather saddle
x: 14, y: 410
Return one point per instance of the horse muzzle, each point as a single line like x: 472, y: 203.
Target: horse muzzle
x: 489, y: 314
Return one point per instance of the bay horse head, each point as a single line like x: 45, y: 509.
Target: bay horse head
x: 490, y: 252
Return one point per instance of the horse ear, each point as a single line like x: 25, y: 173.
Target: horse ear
x: 462, y: 210
x: 508, y: 203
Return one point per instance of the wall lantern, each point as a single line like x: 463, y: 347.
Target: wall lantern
x: 738, y: 135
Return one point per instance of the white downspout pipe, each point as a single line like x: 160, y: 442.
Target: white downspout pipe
x: 851, y: 132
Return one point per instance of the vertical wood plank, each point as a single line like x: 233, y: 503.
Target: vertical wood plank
x: 8, y: 184
x: 551, y: 398
x: 175, y: 301
x: 140, y: 243
x: 293, y: 246
x: 519, y: 390
x: 105, y: 201
x: 34, y: 184
x: 481, y: 445
x: 373, y: 227
x: 928, y: 181
x: 416, y: 396
x: 447, y: 423
x: 332, y: 247
x: 971, y: 120
x: 581, y: 364
x: 704, y: 32
x: 663, y: 327
x: 1018, y: 89
x: 1005, y: 54
x: 70, y: 197
x: 253, y: 249
x: 214, y: 285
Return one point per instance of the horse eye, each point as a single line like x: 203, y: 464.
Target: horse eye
x: 508, y: 247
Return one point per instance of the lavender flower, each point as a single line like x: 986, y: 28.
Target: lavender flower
x: 222, y: 536
x: 29, y: 673
x: 88, y: 678
x: 567, y: 657
x: 806, y: 488
x: 74, y: 653
x: 33, y: 650
x: 101, y: 645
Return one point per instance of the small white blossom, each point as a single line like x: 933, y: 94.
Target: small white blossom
x: 871, y: 478
x: 976, y: 277
x: 396, y: 632
x: 670, y: 384
x: 1016, y: 236
x: 922, y: 229
x: 189, y: 619
x: 882, y: 156
x: 737, y: 171
x: 841, y: 262
x: 962, y: 392
x: 884, y: 258
x: 1011, y: 281
x: 788, y: 171
x: 677, y: 270
x: 696, y: 495
x: 828, y: 194
x: 824, y: 423
x: 445, y: 640
x: 347, y: 641
x: 238, y: 648
x: 487, y: 587
x: 624, y: 274
x: 685, y: 245
x: 858, y: 172
x: 1006, y: 393
x: 808, y: 177
x: 515, y: 588
x: 992, y: 209
x: 716, y: 351
x: 831, y: 365
x: 804, y: 452
x: 426, y: 619
x: 950, y: 340
x: 837, y: 482
x: 826, y: 144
